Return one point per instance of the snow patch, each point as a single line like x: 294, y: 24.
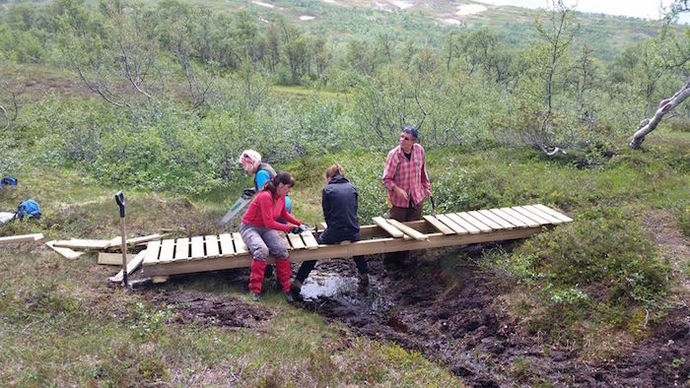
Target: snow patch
x: 263, y: 4
x: 400, y: 4
x: 470, y: 9
x: 307, y: 17
x: 451, y: 21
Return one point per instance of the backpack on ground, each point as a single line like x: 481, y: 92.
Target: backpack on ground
x: 28, y: 208
x: 8, y: 181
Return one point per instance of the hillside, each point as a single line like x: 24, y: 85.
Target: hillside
x: 159, y: 99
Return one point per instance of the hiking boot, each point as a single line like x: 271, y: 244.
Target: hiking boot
x: 295, y: 286
x: 289, y: 298
x: 363, y: 283
x: 255, y: 297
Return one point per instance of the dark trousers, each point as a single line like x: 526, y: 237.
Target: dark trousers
x: 306, y: 266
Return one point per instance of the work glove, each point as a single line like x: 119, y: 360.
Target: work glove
x: 248, y: 193
x: 304, y: 227
x: 296, y: 230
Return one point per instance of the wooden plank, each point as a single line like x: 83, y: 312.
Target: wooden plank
x: 440, y: 226
x: 505, y: 216
x: 226, y: 248
x: 135, y: 263
x: 66, y: 252
x: 76, y: 243
x: 553, y: 212
x: 383, y: 224
x: 309, y: 240
x: 525, y: 220
x: 295, y: 241
x: 504, y: 224
x: 528, y: 214
x: 115, y: 242
x: 464, y: 224
x: 324, y: 226
x: 152, y: 250
x: 182, y: 249
x: 485, y: 220
x: 107, y: 258
x: 543, y: 214
x: 451, y: 224
x: 167, y: 250
x: 240, y: 247
x: 415, y: 234
x: 212, y: 248
x: 478, y: 224
x: 197, y: 247
x: 329, y: 252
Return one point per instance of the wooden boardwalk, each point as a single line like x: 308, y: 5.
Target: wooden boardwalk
x: 224, y: 251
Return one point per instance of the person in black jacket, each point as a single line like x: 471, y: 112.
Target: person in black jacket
x: 339, y: 204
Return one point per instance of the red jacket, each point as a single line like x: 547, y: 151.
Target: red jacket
x: 263, y: 211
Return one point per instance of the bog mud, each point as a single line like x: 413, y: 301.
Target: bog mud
x: 454, y: 317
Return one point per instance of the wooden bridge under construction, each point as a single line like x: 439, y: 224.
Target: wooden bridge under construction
x: 163, y: 258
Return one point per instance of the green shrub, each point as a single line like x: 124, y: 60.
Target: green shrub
x: 602, y: 260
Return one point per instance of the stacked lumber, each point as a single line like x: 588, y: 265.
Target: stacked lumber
x: 73, y: 248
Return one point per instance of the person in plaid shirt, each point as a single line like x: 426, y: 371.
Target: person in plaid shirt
x: 405, y: 177
x: 407, y: 182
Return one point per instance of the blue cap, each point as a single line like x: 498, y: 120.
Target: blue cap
x: 411, y: 130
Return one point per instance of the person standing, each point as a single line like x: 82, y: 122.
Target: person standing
x: 339, y: 201
x: 406, y: 179
x: 260, y: 232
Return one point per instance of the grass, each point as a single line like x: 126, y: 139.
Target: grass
x: 60, y: 323
x: 580, y: 284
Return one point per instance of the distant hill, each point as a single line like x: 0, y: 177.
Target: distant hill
x: 425, y: 22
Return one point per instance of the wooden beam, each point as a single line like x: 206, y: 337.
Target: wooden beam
x: 504, y: 224
x: 328, y: 252
x: 295, y: 241
x: 182, y: 249
x: 451, y: 224
x: 83, y: 244
x: 68, y: 253
x: 554, y: 213
x: 391, y: 230
x: 476, y: 223
x: 212, y: 248
x: 131, y: 266
x: 309, y: 240
x: 107, y: 258
x: 440, y: 226
x: 415, y: 234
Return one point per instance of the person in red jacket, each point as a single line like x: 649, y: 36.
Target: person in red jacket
x: 260, y: 232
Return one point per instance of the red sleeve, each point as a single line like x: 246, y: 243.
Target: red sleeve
x: 266, y: 207
x: 426, y: 184
x: 289, y: 217
x: 389, y: 169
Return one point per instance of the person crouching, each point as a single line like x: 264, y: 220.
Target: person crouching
x: 260, y: 232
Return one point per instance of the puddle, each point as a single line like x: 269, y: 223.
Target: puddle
x: 325, y: 285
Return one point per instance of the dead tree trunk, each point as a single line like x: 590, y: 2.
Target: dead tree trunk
x: 665, y: 106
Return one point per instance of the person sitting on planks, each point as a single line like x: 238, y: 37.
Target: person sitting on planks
x: 260, y: 232
x: 339, y: 204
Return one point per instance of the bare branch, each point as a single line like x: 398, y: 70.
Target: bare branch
x: 7, y: 118
x: 665, y: 106
x: 96, y: 88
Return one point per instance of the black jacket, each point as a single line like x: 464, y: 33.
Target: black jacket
x: 339, y: 203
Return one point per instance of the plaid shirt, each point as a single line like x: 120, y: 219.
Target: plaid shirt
x: 410, y: 175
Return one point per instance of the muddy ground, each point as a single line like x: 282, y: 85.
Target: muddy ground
x: 456, y: 320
